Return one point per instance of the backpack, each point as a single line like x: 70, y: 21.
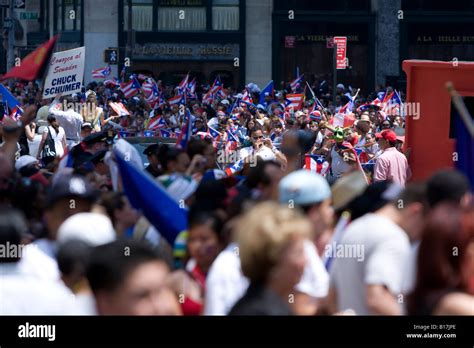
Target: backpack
x: 49, y: 148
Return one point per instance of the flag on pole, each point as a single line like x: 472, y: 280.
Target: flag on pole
x: 268, y: 89
x: 149, y: 197
x: 131, y: 88
x: 295, y: 101
x: 186, y: 132
x: 296, y: 83
x: 101, y: 73
x: 34, y: 65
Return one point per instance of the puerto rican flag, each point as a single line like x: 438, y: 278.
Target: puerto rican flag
x: 119, y: 108
x: 216, y: 85
x: 101, y: 73
x: 232, y: 142
x: 296, y: 83
x: 148, y: 85
x: 112, y: 82
x: 186, y: 132
x: 157, y: 122
x: 153, y: 97
x: 342, y: 120
x: 246, y: 99
x: 183, y: 85
x: 131, y: 88
x: 176, y: 100
x: 236, y: 167
x: 142, y: 77
x: 191, y: 90
x: 317, y: 164
x: 295, y: 101
x: 208, y: 98
x: 15, y: 113
x: 166, y: 133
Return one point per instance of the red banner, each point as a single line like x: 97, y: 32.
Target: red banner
x: 341, y: 51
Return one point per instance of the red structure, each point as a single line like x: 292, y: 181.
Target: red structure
x: 428, y: 136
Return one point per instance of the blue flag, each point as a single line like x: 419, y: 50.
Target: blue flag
x: 8, y: 98
x: 267, y: 89
x: 465, y: 150
x: 152, y: 200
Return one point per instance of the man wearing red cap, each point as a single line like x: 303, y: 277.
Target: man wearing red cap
x: 391, y: 164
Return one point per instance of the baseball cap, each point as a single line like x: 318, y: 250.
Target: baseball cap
x: 86, y: 124
x: 70, y: 186
x: 388, y: 135
x: 24, y: 161
x: 95, y: 138
x: 303, y: 188
x: 340, y: 85
x: 225, y: 102
x: 93, y: 228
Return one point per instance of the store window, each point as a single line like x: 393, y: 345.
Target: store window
x: 182, y: 15
x: 68, y: 15
x: 225, y: 15
x: 142, y: 15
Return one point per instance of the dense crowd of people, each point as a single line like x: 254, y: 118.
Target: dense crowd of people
x: 292, y: 208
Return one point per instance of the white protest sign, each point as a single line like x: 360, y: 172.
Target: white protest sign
x: 65, y: 73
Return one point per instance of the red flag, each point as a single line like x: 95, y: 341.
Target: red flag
x: 34, y: 64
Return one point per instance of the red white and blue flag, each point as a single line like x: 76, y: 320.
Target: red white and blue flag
x: 296, y: 83
x: 317, y: 164
x: 101, y: 73
x: 176, y: 100
x: 131, y: 88
x: 295, y: 101
x: 186, y: 132
x: 112, y: 82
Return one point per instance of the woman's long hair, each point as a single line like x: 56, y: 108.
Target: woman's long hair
x: 446, y: 236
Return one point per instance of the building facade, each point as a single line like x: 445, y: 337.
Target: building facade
x: 251, y: 41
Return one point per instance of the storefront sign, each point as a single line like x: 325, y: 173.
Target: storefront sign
x: 181, y: 3
x: 341, y: 48
x: 177, y: 51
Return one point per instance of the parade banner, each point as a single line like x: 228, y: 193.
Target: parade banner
x: 65, y: 73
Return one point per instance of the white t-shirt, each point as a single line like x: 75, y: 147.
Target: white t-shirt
x: 57, y: 138
x: 264, y: 153
x: 25, y: 294
x: 315, y: 279
x: 38, y: 260
x: 226, y: 284
x: 338, y: 165
x: 372, y: 251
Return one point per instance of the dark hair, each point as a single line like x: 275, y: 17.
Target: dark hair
x: 210, y: 195
x: 257, y: 175
x: 73, y: 257
x: 198, y: 146
x: 12, y: 229
x: 167, y: 154
x: 447, y: 186
x: 111, y: 263
x: 439, y: 267
x: 414, y: 192
x: 112, y: 201
x: 206, y: 217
